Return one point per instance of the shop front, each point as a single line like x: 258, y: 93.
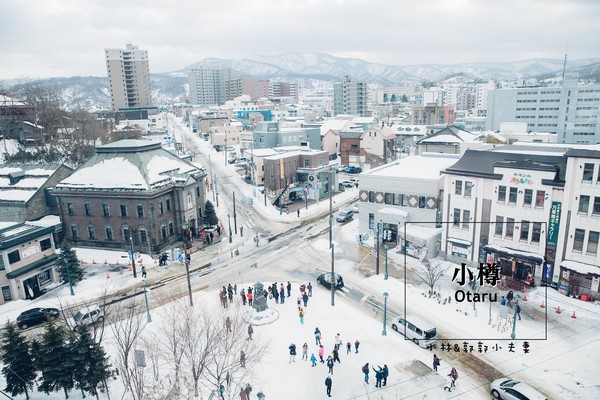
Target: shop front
x: 419, y: 242
x: 579, y: 280
x: 516, y: 265
x: 33, y: 280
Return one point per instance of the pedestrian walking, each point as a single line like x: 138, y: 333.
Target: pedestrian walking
x: 337, y: 340
x: 242, y: 359
x: 298, y: 212
x: 243, y: 395
x: 305, y: 299
x: 305, y: 351
x: 301, y: 315
x: 299, y: 303
x: 313, y: 360
x: 292, y: 352
x: 378, y: 376
x: 330, y: 364
x: 336, y: 355
x: 309, y: 287
x: 386, y: 372
x: 230, y: 295
x: 250, y: 332
x: 241, y: 231
x: 328, y: 383
x: 356, y: 344
x: 248, y: 390
x: 518, y: 310
x: 509, y: 298
x: 249, y: 295
x: 282, y: 295
x: 321, y: 353
x: 348, y: 347
x: 503, y: 301
x: 365, y: 370
x: 436, y: 362
x: 289, y: 289
x: 243, y: 295
x: 276, y: 295
x: 235, y: 288
x: 228, y: 324
x: 143, y: 271
x: 317, y: 336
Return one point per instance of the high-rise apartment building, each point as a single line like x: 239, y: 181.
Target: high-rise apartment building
x: 209, y: 85
x: 128, y: 73
x: 571, y: 111
x: 350, y: 98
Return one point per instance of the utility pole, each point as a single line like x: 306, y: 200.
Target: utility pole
x: 132, y: 257
x: 331, y: 245
x: 187, y: 260
x: 377, y: 250
x: 252, y: 166
x: 212, y: 181
x: 234, y: 214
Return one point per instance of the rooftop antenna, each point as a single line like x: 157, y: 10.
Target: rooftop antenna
x: 565, y: 63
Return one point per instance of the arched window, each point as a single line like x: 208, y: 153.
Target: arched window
x: 171, y: 228
x: 125, y: 232
x: 143, y: 235
x: 163, y: 232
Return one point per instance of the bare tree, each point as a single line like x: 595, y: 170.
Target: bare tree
x: 430, y: 272
x: 190, y: 146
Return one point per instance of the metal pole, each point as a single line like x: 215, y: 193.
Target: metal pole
x: 217, y: 191
x: 306, y: 195
x: 385, y: 296
x: 333, y: 277
x: 132, y: 257
x: 213, y: 183
x: 234, y: 215
x: 386, y: 247
x: 330, y: 211
x: 187, y: 266
x: 146, y: 298
x: 513, y: 334
x: 252, y: 167
x: 69, y: 276
x: 229, y: 221
x: 377, y: 251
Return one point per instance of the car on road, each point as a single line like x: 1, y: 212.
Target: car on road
x: 510, y: 389
x: 352, y: 170
x: 87, y: 316
x: 36, y: 316
x: 344, y: 215
x: 325, y: 280
x: 421, y: 332
x: 347, y: 184
x: 355, y: 208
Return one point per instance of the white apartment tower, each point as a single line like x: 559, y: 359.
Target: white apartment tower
x: 350, y: 98
x: 208, y: 85
x: 128, y: 77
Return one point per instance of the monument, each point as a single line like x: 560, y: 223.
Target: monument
x: 259, y: 300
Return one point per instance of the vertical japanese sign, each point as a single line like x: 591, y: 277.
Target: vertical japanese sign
x: 554, y: 222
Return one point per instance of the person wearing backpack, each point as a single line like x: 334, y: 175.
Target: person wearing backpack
x: 328, y: 383
x: 365, y: 370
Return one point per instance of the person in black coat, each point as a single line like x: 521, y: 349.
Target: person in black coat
x: 378, y: 376
x: 328, y: 383
x: 386, y: 372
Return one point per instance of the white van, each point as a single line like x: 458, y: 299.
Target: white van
x: 419, y: 331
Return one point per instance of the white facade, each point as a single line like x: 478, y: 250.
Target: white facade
x: 350, y: 98
x: 128, y: 77
x: 208, y: 85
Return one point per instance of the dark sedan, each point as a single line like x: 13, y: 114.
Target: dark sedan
x: 36, y: 316
x: 325, y: 280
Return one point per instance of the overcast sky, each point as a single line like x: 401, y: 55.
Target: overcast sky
x: 44, y: 38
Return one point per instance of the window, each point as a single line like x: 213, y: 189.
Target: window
x: 468, y: 188
x: 6, y: 293
x: 45, y: 244
x: 536, y: 232
x: 524, y: 231
x: 371, y: 196
x: 171, y: 228
x: 74, y: 234
x: 389, y: 198
x: 404, y: 200
x: 44, y: 277
x: 528, y: 198
x: 466, y: 219
x: 160, y: 208
x: 306, y: 163
x: 140, y: 211
x: 456, y: 217
x: 371, y: 221
x: 163, y: 232
x: 105, y: 210
x: 70, y: 208
x: 421, y: 201
x: 109, y: 233
x: 540, y: 196
x: 596, y: 208
x: 14, y: 257
x: 397, y: 200
x: 123, y: 211
x: 91, y: 232
x: 578, y: 240
x: 584, y: 204
x: 458, y: 188
x: 502, y: 194
x: 510, y: 227
x: 126, y: 233
x: 592, y: 246
x: 499, y: 225
x: 168, y: 204
x: 512, y: 196
x: 143, y: 236
x: 88, y: 209
x: 588, y: 172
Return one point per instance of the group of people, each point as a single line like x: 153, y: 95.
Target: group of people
x: 507, y: 301
x: 381, y: 374
x: 452, y: 376
x: 226, y: 294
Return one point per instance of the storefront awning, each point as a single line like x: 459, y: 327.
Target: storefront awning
x: 580, y: 267
x: 419, y: 234
x: 505, y: 251
x: 40, y: 264
x: 459, y: 242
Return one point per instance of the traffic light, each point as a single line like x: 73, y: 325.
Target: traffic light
x: 188, y: 257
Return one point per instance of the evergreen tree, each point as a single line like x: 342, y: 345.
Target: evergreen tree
x: 19, y: 371
x: 54, y: 360
x: 93, y: 368
x: 210, y: 215
x: 69, y: 256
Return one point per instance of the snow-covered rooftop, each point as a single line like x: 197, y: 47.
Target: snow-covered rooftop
x: 580, y: 267
x: 424, y: 166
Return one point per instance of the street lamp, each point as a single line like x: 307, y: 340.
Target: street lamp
x: 229, y: 221
x: 386, y: 247
x: 69, y: 275
x: 146, y: 298
x: 385, y: 296
x: 132, y: 257
x: 513, y: 335
x: 185, y: 227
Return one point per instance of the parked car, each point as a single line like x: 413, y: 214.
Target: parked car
x: 355, y: 208
x: 352, y: 170
x: 36, y: 316
x: 325, y: 280
x: 510, y: 389
x: 340, y: 168
x: 87, y: 316
x: 347, y: 184
x: 421, y: 332
x: 344, y: 215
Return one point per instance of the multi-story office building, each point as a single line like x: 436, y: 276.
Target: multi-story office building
x: 128, y: 77
x: 208, y: 85
x: 283, y: 89
x: 350, y: 98
x: 271, y: 135
x: 570, y: 110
